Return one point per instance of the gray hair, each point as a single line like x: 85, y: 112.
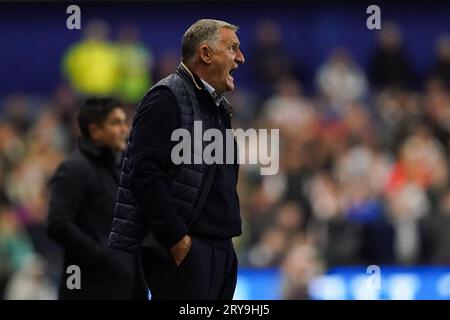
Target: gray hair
x: 203, y: 31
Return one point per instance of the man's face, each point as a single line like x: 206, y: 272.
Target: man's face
x: 224, y: 60
x: 113, y: 132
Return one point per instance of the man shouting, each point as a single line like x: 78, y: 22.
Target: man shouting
x: 181, y: 218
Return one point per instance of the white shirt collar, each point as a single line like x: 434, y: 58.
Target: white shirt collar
x: 217, y: 98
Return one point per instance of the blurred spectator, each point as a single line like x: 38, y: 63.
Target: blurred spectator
x: 422, y: 161
x: 362, y: 172
x: 287, y: 109
x: 269, y: 250
x: 397, y: 112
x: 12, y: 147
x: 441, y: 68
x: 269, y: 59
x: 406, y: 207
x: 338, y: 239
x: 279, y: 231
x: 300, y: 267
x: 167, y: 63
x: 4, y: 199
x: 31, y: 282
x: 63, y: 107
x: 92, y: 66
x: 290, y: 218
x: 390, y: 65
x: 341, y: 80
x: 437, y: 109
x: 136, y: 62
x: 15, y: 246
x: 261, y: 203
x: 17, y: 112
x: 437, y: 235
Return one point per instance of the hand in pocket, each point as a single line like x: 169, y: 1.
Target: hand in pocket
x: 180, y: 250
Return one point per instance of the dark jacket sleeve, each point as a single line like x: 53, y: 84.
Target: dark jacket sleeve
x: 150, y: 150
x: 66, y: 199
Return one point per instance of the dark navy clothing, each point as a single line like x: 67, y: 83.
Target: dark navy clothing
x: 156, y: 119
x: 209, y: 271
x: 83, y: 192
x: 160, y: 202
x: 220, y: 217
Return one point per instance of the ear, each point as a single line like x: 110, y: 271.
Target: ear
x: 205, y: 53
x: 94, y: 130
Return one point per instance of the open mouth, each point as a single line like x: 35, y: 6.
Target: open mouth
x: 231, y: 72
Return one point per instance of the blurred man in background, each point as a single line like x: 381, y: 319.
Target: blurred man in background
x: 391, y: 65
x: 92, y: 66
x: 136, y: 61
x: 83, y: 192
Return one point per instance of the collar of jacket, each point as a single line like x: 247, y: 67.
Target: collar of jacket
x: 195, y: 81
x: 97, y: 153
x: 192, y: 78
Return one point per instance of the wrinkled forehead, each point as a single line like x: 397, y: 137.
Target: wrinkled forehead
x: 228, y: 36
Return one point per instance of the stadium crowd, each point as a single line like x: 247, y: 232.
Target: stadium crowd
x: 364, y: 157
